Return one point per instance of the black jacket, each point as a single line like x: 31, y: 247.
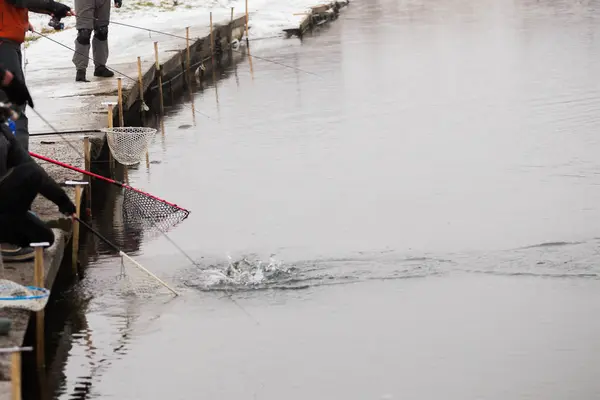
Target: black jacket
x: 12, y: 155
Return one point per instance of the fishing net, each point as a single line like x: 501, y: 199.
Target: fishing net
x: 150, y: 214
x: 135, y: 280
x: 129, y: 145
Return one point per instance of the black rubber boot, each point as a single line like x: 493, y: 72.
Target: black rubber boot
x: 80, y: 76
x: 103, y: 72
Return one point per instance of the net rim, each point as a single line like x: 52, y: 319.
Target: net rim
x: 35, y: 289
x: 129, y: 129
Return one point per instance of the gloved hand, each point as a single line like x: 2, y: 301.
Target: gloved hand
x: 68, y: 208
x: 60, y: 10
x: 15, y: 89
x: 118, y: 3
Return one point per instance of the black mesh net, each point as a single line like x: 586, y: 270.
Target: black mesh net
x: 152, y: 215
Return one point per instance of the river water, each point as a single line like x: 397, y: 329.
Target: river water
x: 412, y: 215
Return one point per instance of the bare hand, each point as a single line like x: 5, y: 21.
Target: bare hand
x: 8, y: 77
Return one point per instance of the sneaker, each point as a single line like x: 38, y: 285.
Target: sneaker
x: 80, y: 76
x: 5, y: 325
x: 12, y: 253
x: 103, y: 72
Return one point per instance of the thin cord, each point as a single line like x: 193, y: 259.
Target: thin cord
x: 279, y: 63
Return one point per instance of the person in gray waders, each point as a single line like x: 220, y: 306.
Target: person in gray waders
x: 92, y: 16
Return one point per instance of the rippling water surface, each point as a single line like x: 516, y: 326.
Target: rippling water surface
x: 419, y: 220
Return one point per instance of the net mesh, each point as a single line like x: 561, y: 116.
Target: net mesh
x: 150, y: 214
x: 13, y: 295
x: 129, y: 145
x: 133, y: 280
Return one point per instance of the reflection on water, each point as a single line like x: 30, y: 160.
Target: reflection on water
x: 417, y: 221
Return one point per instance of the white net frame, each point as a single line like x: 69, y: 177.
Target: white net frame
x: 135, y: 279
x: 129, y: 144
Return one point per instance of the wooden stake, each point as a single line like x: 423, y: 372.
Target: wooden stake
x: 160, y: 86
x: 120, y: 94
x: 110, y: 116
x: 15, y: 375
x: 141, y: 85
x: 141, y: 90
x: 111, y: 160
x: 39, y: 281
x: 187, y: 45
x: 87, y: 151
x: 212, y: 44
x: 246, y: 22
x: 75, y: 250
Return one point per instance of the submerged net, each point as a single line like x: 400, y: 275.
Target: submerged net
x: 134, y: 280
x: 129, y: 145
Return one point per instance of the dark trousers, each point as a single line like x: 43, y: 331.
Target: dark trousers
x: 12, y: 60
x: 18, y: 226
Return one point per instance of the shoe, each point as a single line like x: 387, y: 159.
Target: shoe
x: 80, y: 76
x: 12, y: 253
x: 103, y: 72
x: 5, y: 325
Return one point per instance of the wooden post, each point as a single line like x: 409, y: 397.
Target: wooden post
x: 187, y: 45
x: 247, y: 42
x: 141, y: 85
x: 75, y: 249
x: 110, y: 116
x: 15, y: 375
x: 109, y: 107
x: 231, y: 20
x: 160, y: 85
x: 111, y: 160
x: 87, y: 151
x: 212, y: 44
x: 39, y: 281
x: 120, y: 94
x: 141, y: 90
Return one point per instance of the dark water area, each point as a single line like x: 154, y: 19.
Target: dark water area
x: 418, y: 220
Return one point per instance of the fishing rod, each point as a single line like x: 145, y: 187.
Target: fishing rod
x: 122, y: 254
x: 66, y: 132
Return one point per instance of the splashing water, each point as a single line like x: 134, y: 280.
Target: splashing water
x: 246, y: 272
